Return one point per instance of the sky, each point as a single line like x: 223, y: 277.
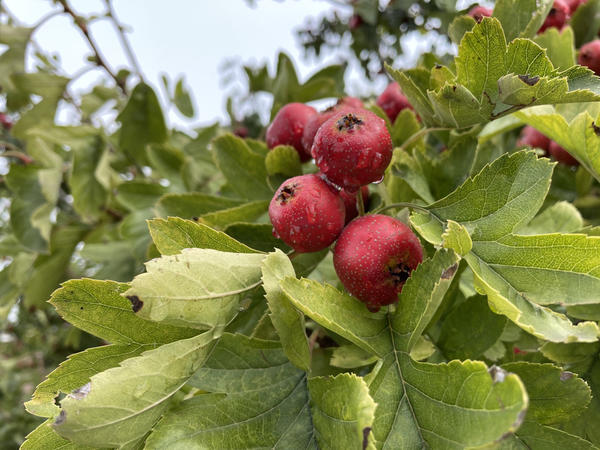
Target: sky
x: 194, y: 38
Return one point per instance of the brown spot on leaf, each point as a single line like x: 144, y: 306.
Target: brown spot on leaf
x: 498, y: 374
x: 136, y: 303
x: 365, y: 442
x: 449, y: 272
x: 531, y: 81
x: 596, y: 128
x: 61, y: 418
x: 564, y: 376
x: 81, y: 392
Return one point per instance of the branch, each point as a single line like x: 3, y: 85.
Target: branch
x: 98, y: 57
x: 124, y: 41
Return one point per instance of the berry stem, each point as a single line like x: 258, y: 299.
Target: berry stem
x: 360, y: 205
x: 415, y: 137
x: 401, y: 205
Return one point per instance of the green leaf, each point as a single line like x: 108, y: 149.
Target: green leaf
x: 256, y: 235
x: 578, y: 136
x: 268, y: 409
x: 167, y: 162
x: 586, y: 22
x: 44, y: 437
x: 456, y: 237
x: 283, y: 160
x: 135, y: 195
x: 142, y: 123
x: 562, y: 217
x: 193, y: 204
x: 521, y: 18
x: 99, y: 308
x: 225, y: 217
x: 570, y: 395
x: 533, y: 435
x: 559, y: 45
x: 122, y: 404
x: 287, y: 320
x: 172, y: 235
x: 470, y: 329
x: 481, y: 59
x: 497, y: 258
x: 183, y: 100
x: 342, y: 412
x: 243, y: 168
x: 459, y: 26
x: 198, y: 288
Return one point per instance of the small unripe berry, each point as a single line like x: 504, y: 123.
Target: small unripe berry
x: 353, y: 149
x: 392, y: 100
x: 350, y: 202
x: 589, y: 56
x: 374, y: 256
x: 557, y: 16
x: 533, y: 138
x: 288, y: 126
x: 561, y: 155
x: 315, y: 122
x: 307, y: 213
x: 479, y: 12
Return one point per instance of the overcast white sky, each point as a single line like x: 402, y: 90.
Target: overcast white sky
x: 186, y: 37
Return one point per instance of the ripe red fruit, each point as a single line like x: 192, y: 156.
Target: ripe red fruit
x: 353, y: 148
x: 589, y: 56
x: 5, y: 121
x: 307, y: 213
x: 374, y: 256
x: 557, y: 16
x: 315, y: 122
x: 392, y: 101
x: 355, y: 22
x: 479, y: 12
x: 533, y: 138
x: 574, y: 4
x: 350, y: 202
x: 288, y: 125
x: 561, y: 155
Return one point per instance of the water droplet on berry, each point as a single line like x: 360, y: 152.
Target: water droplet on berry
x: 275, y: 233
x: 379, y: 181
x: 377, y: 161
x: 364, y: 160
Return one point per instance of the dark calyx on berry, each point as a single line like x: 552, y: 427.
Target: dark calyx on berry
x: 348, y: 122
x: 399, y: 273
x: 286, y: 193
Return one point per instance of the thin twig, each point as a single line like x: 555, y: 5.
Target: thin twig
x: 46, y: 18
x: 17, y: 154
x: 312, y: 340
x: 124, y: 41
x: 98, y: 57
x: 401, y: 205
x: 360, y: 205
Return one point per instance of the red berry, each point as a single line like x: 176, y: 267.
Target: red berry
x: 479, y: 12
x: 288, y: 125
x: 350, y: 202
x: 307, y: 213
x: 392, y: 101
x: 353, y: 148
x: 374, y: 256
x: 557, y: 16
x: 355, y: 22
x: 561, y: 155
x: 589, y: 56
x: 315, y: 122
x: 241, y: 131
x: 5, y: 121
x: 533, y: 138
x: 574, y: 4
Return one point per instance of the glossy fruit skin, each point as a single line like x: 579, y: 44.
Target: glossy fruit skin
x: 479, y: 12
x: 557, y: 16
x: 307, y: 213
x: 350, y: 202
x: 353, y: 149
x: 392, y: 101
x: 315, y: 122
x: 533, y: 138
x: 561, y: 155
x: 589, y: 56
x: 374, y: 256
x: 288, y: 126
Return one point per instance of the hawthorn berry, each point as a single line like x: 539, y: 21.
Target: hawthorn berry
x: 5, y: 122
x: 355, y: 22
x: 479, y: 12
x: 350, y: 202
x: 353, y: 148
x: 307, y: 213
x: 315, y: 122
x: 392, y: 100
x: 561, y: 155
x: 533, y: 138
x: 589, y: 56
x: 374, y: 256
x: 557, y: 16
x: 288, y: 126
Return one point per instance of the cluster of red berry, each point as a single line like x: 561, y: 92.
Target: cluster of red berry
x: 533, y: 138
x: 374, y: 254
